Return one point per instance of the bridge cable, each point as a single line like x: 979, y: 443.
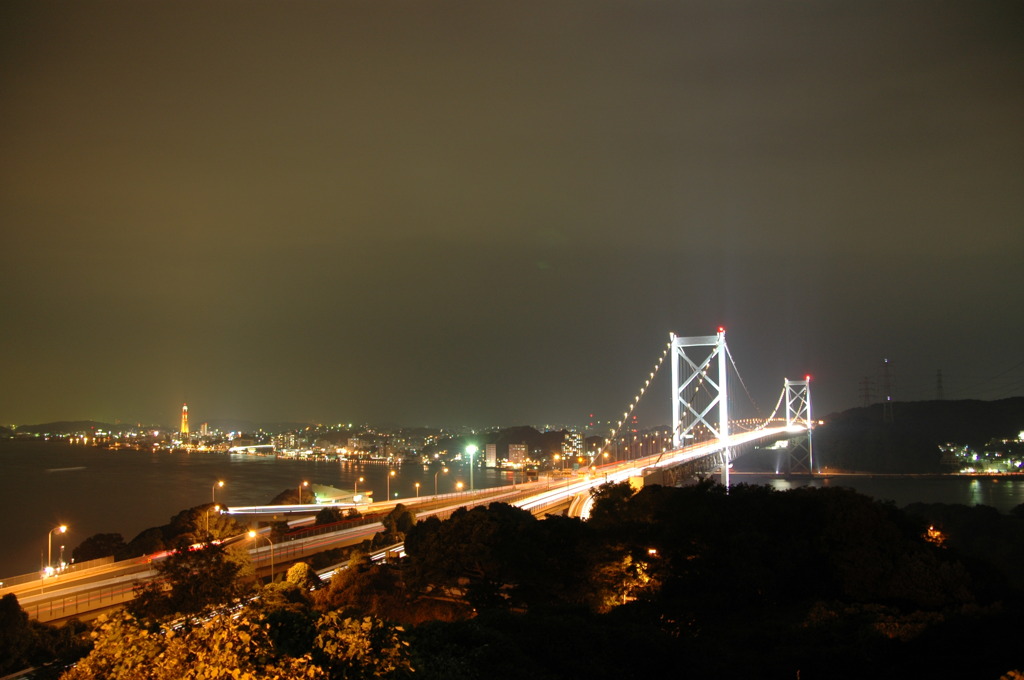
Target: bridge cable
x: 728, y: 353
x: 636, y: 400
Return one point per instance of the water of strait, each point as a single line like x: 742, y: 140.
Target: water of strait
x: 46, y: 484
x: 92, y: 490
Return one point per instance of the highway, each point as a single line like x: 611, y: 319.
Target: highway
x: 89, y: 592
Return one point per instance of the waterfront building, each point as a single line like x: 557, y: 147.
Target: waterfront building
x: 517, y: 454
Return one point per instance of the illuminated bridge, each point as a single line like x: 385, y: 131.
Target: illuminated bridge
x: 701, y: 408
x: 702, y: 440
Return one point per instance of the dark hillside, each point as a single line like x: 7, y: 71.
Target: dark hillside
x: 860, y: 439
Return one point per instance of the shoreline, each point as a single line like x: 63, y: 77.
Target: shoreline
x: 931, y: 475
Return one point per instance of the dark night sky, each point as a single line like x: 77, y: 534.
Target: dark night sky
x: 494, y: 213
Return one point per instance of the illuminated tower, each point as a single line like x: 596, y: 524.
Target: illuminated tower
x: 184, y: 420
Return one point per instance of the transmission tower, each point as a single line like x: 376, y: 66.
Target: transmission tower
x: 867, y: 391
x: 886, y: 391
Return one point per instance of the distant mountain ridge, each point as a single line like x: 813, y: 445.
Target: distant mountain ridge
x: 861, y: 439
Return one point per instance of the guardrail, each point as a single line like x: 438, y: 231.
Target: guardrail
x: 71, y: 568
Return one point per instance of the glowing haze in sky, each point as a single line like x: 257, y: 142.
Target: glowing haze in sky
x: 495, y: 213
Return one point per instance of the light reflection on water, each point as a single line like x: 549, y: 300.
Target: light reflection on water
x: 1002, y: 493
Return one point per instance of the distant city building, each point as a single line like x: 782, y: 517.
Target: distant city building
x: 572, y: 446
x: 204, y: 429
x: 289, y: 441
x: 517, y: 454
x: 184, y: 420
x: 491, y: 455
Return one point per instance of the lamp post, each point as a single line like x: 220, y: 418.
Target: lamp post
x: 208, y: 511
x: 458, y: 487
x: 49, y: 543
x: 49, y: 554
x: 471, y: 449
x: 254, y: 535
x: 304, y: 483
x: 213, y: 491
x: 391, y: 473
x: 355, y: 488
x: 417, y: 489
x: 445, y: 470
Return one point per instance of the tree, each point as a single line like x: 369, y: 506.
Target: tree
x: 16, y: 638
x: 226, y: 647
x: 288, y: 611
x: 247, y: 646
x: 489, y: 555
x: 122, y: 649
x: 278, y: 530
x: 303, y: 575
x: 361, y: 648
x: 189, y: 580
x: 147, y: 542
x: 201, y: 523
x: 97, y: 546
x: 609, y: 501
x: 328, y: 515
x: 396, y: 525
x: 364, y: 588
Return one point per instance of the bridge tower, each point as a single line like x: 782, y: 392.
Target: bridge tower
x: 690, y: 377
x: 798, y: 415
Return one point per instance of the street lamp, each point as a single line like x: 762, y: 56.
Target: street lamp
x: 458, y: 486
x: 355, y: 488
x: 391, y: 473
x: 300, y: 491
x: 213, y: 492
x: 208, y: 511
x: 49, y: 543
x: 253, y: 534
x: 471, y: 449
x: 445, y: 470
x: 417, y: 485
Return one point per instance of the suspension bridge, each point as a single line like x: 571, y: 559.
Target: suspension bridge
x: 701, y: 405
x: 703, y: 438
